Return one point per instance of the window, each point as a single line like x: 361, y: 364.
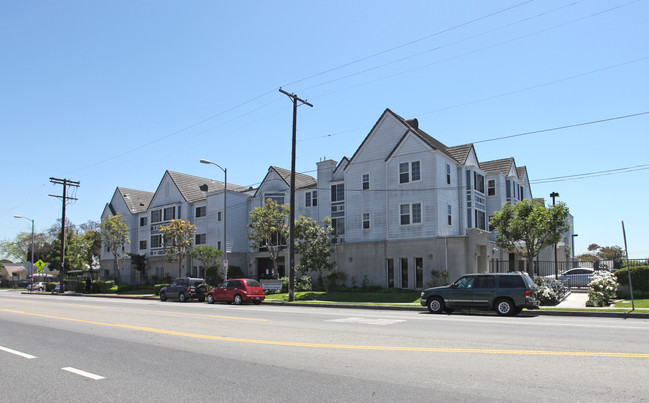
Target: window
x: 365, y: 181
x: 448, y: 174
x: 410, y: 213
x: 169, y: 213
x: 156, y: 216
x: 490, y: 227
x: 491, y: 188
x: 218, y: 216
x: 511, y: 282
x: 218, y: 245
x: 276, y: 197
x: 201, y: 239
x: 366, y: 220
x: 479, y: 182
x: 142, y: 245
x: 419, y: 272
x: 201, y: 211
x: 479, y: 219
x: 404, y: 272
x: 522, y: 193
x: 338, y: 225
x: 484, y: 282
x: 450, y: 214
x: 405, y: 214
x: 337, y: 192
x: 390, y: 269
x: 409, y: 172
x: 312, y: 198
x: 143, y: 221
x: 156, y: 241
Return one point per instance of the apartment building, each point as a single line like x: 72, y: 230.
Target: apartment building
x: 407, y: 210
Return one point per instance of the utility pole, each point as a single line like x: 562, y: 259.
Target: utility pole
x: 64, y: 199
x: 291, y: 219
x: 553, y: 195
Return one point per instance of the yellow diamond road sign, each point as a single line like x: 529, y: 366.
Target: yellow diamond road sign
x: 40, y: 264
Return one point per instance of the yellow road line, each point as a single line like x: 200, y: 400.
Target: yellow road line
x: 147, y: 310
x: 345, y: 346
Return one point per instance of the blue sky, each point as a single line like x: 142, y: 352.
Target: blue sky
x: 114, y: 93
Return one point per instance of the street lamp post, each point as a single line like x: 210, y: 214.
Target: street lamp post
x: 225, y: 216
x: 556, y: 269
x: 572, y: 245
x: 31, y: 268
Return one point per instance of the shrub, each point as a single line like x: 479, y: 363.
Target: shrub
x: 102, y: 287
x: 550, y: 291
x: 301, y: 284
x: 601, y: 288
x: 123, y: 288
x: 158, y: 287
x: 639, y: 277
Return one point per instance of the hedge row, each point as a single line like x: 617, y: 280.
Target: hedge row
x: 639, y: 277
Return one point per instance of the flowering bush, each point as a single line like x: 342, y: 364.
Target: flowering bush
x: 601, y: 289
x: 550, y: 291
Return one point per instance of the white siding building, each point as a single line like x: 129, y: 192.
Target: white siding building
x: 407, y: 210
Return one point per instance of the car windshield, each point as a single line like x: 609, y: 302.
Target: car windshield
x: 252, y: 283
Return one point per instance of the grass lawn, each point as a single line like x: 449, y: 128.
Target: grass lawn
x: 639, y: 303
x: 379, y: 296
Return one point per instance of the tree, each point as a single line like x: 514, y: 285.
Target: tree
x: 139, y: 261
x: 177, y: 240
x: 90, y: 245
x: 73, y: 255
x: 268, y: 228
x: 18, y: 248
x: 207, y: 255
x: 313, y: 244
x: 529, y: 226
x: 611, y: 253
x: 114, y: 233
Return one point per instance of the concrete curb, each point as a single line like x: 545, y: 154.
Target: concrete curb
x: 595, y: 313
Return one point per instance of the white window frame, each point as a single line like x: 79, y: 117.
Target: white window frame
x: 409, y: 172
x: 365, y: 181
x: 410, y: 213
x: 366, y: 219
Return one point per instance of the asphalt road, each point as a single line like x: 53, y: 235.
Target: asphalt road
x: 60, y: 348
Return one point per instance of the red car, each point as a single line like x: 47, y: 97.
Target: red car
x: 237, y: 291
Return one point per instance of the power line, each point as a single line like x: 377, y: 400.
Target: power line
x: 561, y: 127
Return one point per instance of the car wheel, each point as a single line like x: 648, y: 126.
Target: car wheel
x: 505, y: 307
x: 163, y: 297
x: 210, y: 298
x: 435, y: 305
x: 181, y: 297
x: 237, y: 300
x: 200, y: 297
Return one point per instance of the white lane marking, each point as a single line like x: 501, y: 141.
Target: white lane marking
x: 83, y: 373
x: 366, y: 321
x: 24, y: 355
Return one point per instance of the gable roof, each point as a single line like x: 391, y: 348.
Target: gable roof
x: 137, y: 201
x: 411, y: 125
x: 460, y: 153
x: 502, y: 166
x: 522, y: 172
x: 301, y: 180
x: 194, y: 188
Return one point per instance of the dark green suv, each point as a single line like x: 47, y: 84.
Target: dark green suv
x: 506, y: 293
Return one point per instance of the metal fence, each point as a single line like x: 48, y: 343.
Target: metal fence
x: 547, y: 268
